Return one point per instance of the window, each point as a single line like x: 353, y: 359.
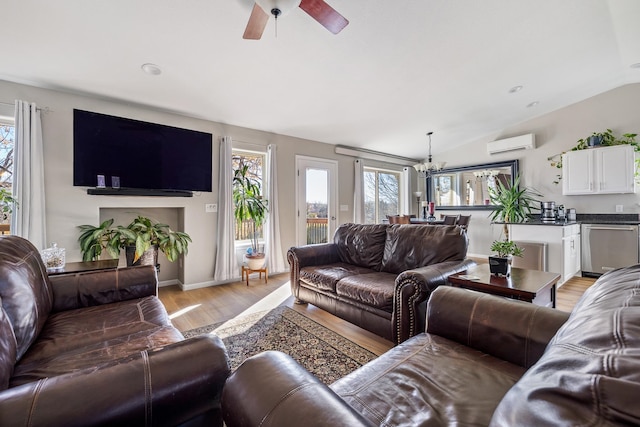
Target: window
x: 256, y: 162
x: 381, y: 194
x: 7, y: 140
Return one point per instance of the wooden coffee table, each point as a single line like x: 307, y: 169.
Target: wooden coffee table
x: 537, y: 287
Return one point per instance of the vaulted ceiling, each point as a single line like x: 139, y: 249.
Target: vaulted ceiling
x: 397, y: 71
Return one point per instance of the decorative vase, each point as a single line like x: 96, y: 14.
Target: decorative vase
x: 255, y: 261
x: 594, y: 141
x: 500, y: 266
x: 149, y: 257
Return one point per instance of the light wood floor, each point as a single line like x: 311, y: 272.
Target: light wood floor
x: 200, y: 307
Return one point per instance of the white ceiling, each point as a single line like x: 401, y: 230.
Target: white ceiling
x: 398, y: 70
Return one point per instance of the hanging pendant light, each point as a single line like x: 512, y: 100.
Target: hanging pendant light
x: 426, y: 169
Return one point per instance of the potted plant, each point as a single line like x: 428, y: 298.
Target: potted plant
x: 249, y: 206
x: 6, y: 203
x: 500, y: 264
x: 512, y: 204
x: 141, y: 239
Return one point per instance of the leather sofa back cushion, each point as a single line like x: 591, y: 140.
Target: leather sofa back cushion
x: 412, y: 246
x: 590, y: 372
x: 25, y: 290
x: 361, y: 244
x: 7, y: 350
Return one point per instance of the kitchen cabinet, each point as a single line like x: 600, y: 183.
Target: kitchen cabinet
x: 604, y: 170
x: 563, y: 246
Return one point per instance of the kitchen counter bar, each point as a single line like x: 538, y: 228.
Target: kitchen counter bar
x: 622, y: 219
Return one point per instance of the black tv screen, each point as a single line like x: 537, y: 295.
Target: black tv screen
x: 142, y: 155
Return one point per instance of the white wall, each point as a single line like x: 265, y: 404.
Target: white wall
x: 69, y: 206
x: 555, y: 133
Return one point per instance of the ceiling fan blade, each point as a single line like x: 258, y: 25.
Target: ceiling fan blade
x: 257, y: 22
x: 324, y: 14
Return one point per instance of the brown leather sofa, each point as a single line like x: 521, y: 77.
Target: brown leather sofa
x: 98, y: 349
x: 378, y: 276
x: 484, y: 360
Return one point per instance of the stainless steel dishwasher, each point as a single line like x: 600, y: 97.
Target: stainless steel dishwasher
x: 608, y: 246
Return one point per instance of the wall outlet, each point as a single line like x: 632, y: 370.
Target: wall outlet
x: 619, y: 208
x: 211, y: 207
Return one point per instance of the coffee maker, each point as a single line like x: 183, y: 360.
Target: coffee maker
x: 548, y: 211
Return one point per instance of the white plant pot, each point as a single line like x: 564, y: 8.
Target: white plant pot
x: 255, y: 262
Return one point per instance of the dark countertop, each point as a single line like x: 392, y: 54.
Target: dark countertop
x: 621, y: 219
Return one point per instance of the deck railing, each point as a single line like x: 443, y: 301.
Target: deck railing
x: 316, y: 230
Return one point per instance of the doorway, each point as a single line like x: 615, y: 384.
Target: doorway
x: 316, y: 199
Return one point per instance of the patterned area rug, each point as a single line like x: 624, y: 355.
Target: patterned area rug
x: 324, y: 353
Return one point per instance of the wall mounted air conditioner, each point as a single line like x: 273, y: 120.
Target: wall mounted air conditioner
x: 522, y: 142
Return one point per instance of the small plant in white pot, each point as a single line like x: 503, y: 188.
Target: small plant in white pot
x: 249, y: 206
x: 505, y: 250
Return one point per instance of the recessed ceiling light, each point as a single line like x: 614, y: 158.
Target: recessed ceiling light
x: 152, y: 69
x: 533, y: 104
x: 515, y: 89
x: 636, y: 65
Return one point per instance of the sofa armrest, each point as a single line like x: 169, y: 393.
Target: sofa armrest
x: 271, y: 389
x: 169, y: 386
x: 71, y: 291
x: 510, y: 330
x: 303, y: 256
x: 412, y: 289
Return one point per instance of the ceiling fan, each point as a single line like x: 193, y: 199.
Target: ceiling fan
x: 317, y: 9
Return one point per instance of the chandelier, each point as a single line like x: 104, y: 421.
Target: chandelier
x: 426, y: 169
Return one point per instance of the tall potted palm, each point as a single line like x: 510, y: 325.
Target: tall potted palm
x: 512, y: 205
x: 249, y: 206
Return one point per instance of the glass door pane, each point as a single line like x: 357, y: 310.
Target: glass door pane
x: 317, y: 205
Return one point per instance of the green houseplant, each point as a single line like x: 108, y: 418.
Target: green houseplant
x: 7, y: 203
x: 500, y: 264
x: 512, y: 205
x: 142, y: 238
x: 249, y: 206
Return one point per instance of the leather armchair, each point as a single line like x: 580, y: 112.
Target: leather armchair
x: 98, y: 348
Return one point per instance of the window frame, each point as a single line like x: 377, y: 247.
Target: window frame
x: 263, y: 185
x: 401, y: 190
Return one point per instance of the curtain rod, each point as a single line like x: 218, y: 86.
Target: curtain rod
x: 45, y: 109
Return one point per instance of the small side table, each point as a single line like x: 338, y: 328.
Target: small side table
x: 246, y: 271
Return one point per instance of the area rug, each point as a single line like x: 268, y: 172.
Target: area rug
x: 324, y: 353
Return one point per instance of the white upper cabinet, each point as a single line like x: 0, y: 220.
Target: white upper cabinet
x: 602, y: 170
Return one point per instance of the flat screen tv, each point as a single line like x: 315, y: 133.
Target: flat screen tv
x: 142, y: 156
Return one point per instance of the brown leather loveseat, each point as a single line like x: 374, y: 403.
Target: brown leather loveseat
x: 98, y: 349
x: 484, y: 360
x: 378, y: 276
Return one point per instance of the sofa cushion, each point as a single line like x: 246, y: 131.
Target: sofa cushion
x: 590, y: 372
x: 429, y: 380
x: 373, y: 289
x: 93, y: 336
x: 412, y: 246
x: 8, y: 349
x: 361, y: 244
x: 25, y: 290
x: 325, y: 277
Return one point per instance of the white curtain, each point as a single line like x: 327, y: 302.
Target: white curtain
x: 28, y: 217
x: 226, y: 267
x: 275, y: 258
x: 358, y: 192
x: 407, y: 197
